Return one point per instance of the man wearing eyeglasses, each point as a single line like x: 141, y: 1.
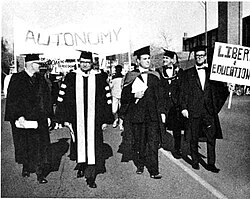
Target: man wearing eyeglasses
x: 84, y: 105
x: 201, y: 100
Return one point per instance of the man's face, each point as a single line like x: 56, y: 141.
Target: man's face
x: 167, y: 60
x: 85, y: 64
x: 35, y: 67
x: 200, y: 57
x: 144, y: 61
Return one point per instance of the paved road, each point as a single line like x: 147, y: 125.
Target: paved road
x: 120, y: 180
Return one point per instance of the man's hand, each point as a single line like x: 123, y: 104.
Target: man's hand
x: 185, y: 113
x: 163, y: 118
x: 139, y: 94
x: 21, y: 121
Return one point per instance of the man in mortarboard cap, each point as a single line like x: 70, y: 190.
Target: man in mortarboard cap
x: 170, y: 87
x: 196, y: 49
x: 201, y: 101
x: 86, y: 62
x: 32, y: 57
x: 84, y: 105
x: 142, y: 51
x: 28, y: 99
x: 140, y: 107
x: 86, y: 55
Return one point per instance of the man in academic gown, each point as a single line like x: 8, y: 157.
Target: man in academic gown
x: 140, y: 107
x: 84, y: 105
x: 170, y: 87
x: 28, y: 99
x: 201, y: 101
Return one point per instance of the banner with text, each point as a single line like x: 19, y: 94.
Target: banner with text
x: 65, y: 40
x: 231, y: 63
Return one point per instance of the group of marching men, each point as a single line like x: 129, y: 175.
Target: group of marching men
x: 145, y: 103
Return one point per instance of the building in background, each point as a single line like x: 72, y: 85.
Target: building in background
x: 232, y: 28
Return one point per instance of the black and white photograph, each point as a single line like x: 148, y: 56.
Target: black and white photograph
x: 125, y: 99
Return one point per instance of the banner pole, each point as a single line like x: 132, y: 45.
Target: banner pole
x: 230, y: 99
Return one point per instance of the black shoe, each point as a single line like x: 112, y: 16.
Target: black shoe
x: 52, y: 126
x: 140, y: 170
x: 158, y: 176
x: 42, y: 180
x: 177, y: 154
x: 25, y: 174
x: 80, y: 174
x: 212, y: 168
x: 196, y: 166
x: 91, y: 183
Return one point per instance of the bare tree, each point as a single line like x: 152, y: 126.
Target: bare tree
x: 166, y: 39
x: 6, y: 59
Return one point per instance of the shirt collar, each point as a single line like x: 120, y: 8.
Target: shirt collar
x: 202, y: 66
x: 29, y: 73
x: 143, y: 69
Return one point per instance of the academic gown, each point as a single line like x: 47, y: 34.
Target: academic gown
x: 193, y: 98
x: 31, y: 99
x: 85, y: 102
x: 148, y: 108
x: 170, y: 87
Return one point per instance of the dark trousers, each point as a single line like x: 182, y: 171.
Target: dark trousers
x: 204, y: 126
x: 146, y: 142
x: 31, y: 148
x: 177, y: 139
x: 89, y: 170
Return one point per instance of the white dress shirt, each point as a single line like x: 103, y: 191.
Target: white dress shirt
x: 202, y: 76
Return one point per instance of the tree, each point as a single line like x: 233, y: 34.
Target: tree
x: 166, y: 39
x: 7, y: 58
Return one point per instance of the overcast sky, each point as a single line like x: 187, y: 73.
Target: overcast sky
x: 147, y: 20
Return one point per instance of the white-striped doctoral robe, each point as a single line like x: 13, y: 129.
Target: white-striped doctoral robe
x: 79, y: 94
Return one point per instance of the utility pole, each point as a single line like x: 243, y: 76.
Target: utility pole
x: 204, y: 6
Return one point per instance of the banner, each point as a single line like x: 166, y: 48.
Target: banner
x: 231, y: 63
x: 66, y: 40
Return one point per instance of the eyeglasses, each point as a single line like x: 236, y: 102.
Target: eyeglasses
x: 198, y: 55
x: 85, y: 62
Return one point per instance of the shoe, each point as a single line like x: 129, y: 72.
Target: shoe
x: 25, y: 174
x: 80, y: 174
x: 158, y: 176
x: 212, y: 168
x: 177, y: 154
x: 52, y: 126
x: 42, y: 180
x: 140, y: 170
x: 196, y: 166
x: 91, y: 183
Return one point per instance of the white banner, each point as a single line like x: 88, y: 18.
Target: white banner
x: 65, y: 40
x: 231, y: 63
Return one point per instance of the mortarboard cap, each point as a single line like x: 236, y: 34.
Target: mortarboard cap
x: 32, y: 57
x: 199, y: 48
x: 86, y: 55
x: 196, y: 49
x: 142, y: 51
x: 118, y: 66
x: 169, y: 53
